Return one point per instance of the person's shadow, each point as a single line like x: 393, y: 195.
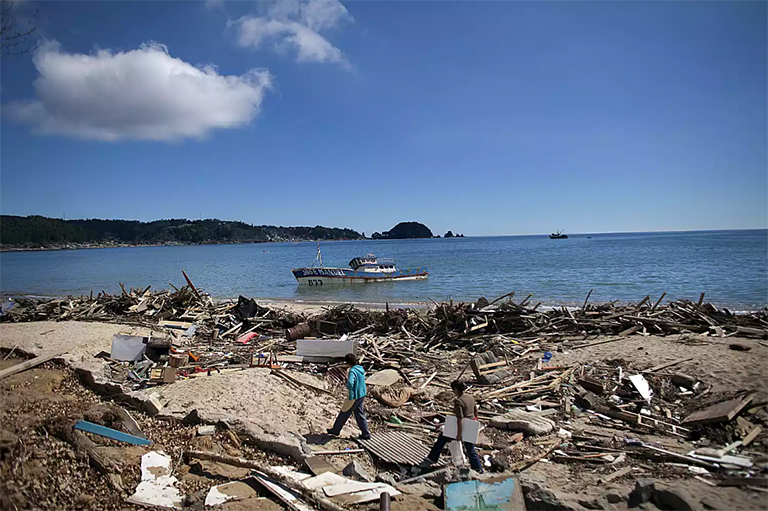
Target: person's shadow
x: 318, y: 439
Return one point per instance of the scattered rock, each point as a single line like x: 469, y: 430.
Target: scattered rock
x: 355, y: 470
x: 530, y: 483
x: 550, y: 500
x: 673, y: 499
x: 685, y: 381
x: 193, y: 499
x: 520, y: 420
x: 614, y: 497
x: 85, y: 501
x: 467, y: 474
x: 444, y: 476
x: 642, y: 493
x: 192, y: 418
x: 426, y: 489
x: 206, y: 430
x: 387, y: 478
x: 216, y: 470
x: 591, y: 503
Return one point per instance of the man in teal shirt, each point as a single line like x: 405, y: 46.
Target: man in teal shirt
x: 355, y: 399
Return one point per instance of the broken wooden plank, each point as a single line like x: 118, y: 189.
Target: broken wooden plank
x: 29, y: 364
x: 130, y: 423
x: 744, y: 481
x: 341, y: 451
x: 751, y: 436
x: 284, y: 494
x: 192, y: 286
x: 721, y: 412
x: 318, y: 465
x: 349, y: 487
x: 429, y: 380
x: 493, y: 364
x: 668, y: 364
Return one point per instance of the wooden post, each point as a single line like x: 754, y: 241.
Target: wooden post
x: 194, y: 289
x: 384, y: 502
x: 701, y: 299
x: 660, y: 299
x: 584, y: 307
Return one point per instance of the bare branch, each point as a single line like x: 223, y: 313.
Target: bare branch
x: 14, y: 33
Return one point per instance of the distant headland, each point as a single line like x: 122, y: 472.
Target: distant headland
x: 410, y: 230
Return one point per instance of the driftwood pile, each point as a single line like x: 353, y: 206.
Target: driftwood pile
x: 445, y: 325
x: 455, y: 324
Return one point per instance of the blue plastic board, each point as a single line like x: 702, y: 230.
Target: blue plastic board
x: 110, y: 433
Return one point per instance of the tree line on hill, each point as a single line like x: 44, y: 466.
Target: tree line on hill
x: 39, y: 231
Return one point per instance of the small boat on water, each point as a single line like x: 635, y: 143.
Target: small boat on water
x: 558, y: 236
x: 361, y: 270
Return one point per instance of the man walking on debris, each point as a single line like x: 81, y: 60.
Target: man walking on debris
x: 355, y: 399
x: 464, y: 406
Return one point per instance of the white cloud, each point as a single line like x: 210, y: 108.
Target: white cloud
x: 142, y: 94
x: 296, y: 24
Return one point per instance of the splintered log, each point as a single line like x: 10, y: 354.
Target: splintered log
x: 82, y: 443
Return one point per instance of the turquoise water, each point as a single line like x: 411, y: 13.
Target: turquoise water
x: 731, y: 267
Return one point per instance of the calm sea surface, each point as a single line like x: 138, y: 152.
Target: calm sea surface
x: 731, y: 267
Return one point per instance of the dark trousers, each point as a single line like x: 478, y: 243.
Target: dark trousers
x: 437, y: 449
x: 359, y: 411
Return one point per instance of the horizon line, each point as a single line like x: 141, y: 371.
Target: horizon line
x: 434, y: 236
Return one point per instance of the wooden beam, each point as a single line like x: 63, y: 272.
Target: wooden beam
x: 751, y: 436
x: 493, y: 364
x: 721, y: 412
x: 667, y: 364
x: 29, y: 364
x: 194, y: 289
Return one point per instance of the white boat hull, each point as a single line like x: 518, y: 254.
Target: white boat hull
x: 317, y: 281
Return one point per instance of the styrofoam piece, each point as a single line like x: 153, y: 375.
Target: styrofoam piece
x: 641, y: 384
x: 128, y: 347
x: 469, y: 431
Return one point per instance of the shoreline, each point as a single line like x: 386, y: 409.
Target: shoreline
x: 316, y: 305
x: 91, y: 246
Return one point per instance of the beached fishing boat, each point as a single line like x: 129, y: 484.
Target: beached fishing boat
x: 558, y: 236
x: 361, y: 270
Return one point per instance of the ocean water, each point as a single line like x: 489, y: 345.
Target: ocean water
x: 731, y: 267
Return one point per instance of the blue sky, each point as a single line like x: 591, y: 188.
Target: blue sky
x: 480, y: 117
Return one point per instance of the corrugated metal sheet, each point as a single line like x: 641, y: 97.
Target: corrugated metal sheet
x: 396, y: 447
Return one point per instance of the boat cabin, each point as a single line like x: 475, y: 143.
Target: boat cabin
x: 370, y: 263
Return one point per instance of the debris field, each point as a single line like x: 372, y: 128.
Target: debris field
x: 193, y: 402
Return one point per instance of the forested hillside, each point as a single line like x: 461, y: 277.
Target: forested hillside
x: 39, y: 231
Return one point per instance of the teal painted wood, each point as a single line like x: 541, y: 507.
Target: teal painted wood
x: 494, y: 495
x: 110, y: 433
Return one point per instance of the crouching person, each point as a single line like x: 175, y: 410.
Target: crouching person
x: 464, y: 406
x: 355, y: 399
